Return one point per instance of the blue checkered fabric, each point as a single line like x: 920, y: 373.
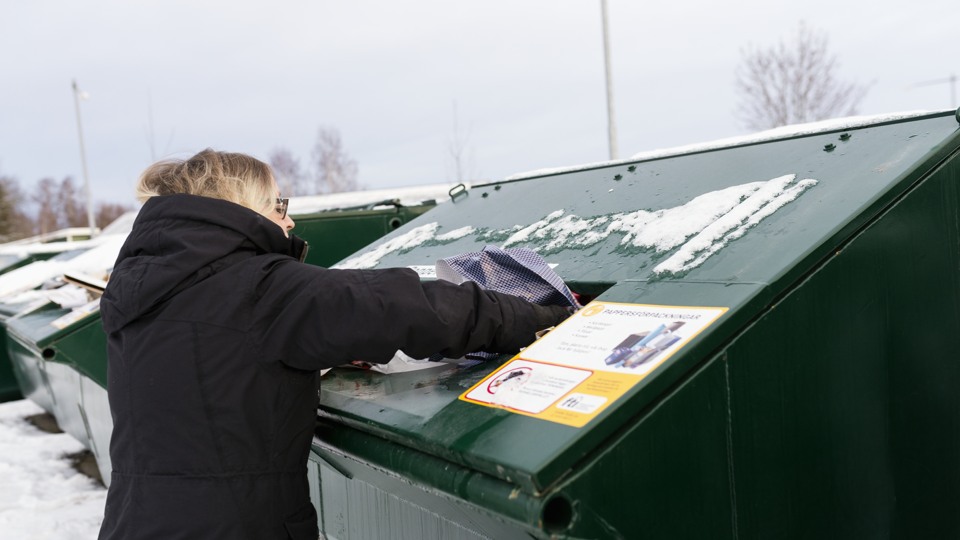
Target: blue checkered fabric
x: 517, y: 271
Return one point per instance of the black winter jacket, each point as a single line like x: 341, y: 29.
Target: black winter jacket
x: 215, y: 335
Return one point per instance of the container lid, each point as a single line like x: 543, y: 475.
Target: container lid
x: 713, y: 236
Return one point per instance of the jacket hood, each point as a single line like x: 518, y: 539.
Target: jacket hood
x: 179, y: 240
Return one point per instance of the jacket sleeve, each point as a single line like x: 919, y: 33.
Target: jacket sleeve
x: 315, y: 318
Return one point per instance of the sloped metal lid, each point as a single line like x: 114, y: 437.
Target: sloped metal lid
x: 730, y: 228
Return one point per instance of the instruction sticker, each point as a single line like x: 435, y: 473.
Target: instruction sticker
x: 591, y: 360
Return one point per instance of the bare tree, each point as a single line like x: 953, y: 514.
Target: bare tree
x: 59, y: 205
x: 107, y: 213
x: 14, y: 222
x: 334, y: 170
x: 793, y: 82
x: 290, y: 177
x: 45, y: 196
x: 73, y: 211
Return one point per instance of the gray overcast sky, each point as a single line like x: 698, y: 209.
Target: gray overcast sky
x: 526, y: 76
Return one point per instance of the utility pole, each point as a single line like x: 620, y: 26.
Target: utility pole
x: 611, y: 125
x: 77, y: 95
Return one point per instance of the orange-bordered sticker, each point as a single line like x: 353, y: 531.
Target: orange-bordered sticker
x: 586, y: 364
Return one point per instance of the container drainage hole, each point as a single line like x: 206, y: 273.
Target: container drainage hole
x: 48, y: 353
x: 395, y: 223
x: 557, y: 514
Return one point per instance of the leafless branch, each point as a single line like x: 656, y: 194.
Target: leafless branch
x: 794, y: 82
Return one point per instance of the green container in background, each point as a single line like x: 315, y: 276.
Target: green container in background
x: 9, y: 390
x: 83, y: 349
x: 817, y: 397
x: 50, y: 379
x: 335, y: 234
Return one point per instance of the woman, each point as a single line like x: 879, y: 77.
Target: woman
x: 216, y: 333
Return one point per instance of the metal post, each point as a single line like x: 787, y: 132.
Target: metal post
x: 83, y: 162
x: 953, y: 89
x: 611, y: 125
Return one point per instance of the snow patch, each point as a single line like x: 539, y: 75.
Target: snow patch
x: 733, y: 224
x: 407, y: 196
x: 43, y: 496
x: 408, y: 240
x: 699, y: 228
x: 95, y: 261
x: 456, y: 234
x: 783, y: 132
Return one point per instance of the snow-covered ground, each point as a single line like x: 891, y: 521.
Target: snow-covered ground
x: 42, y: 497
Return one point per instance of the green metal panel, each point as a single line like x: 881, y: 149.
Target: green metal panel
x: 35, y: 328
x: 47, y: 377
x: 334, y: 234
x: 645, y: 480
x: 844, y: 401
x: 12, y: 377
x: 346, y: 488
x: 84, y: 347
x: 30, y: 372
x: 95, y: 410
x: 81, y: 354
x: 9, y: 389
x: 818, y: 405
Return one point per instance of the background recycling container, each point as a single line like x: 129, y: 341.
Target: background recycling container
x: 804, y: 296
x: 9, y: 389
x: 83, y: 350
x: 31, y: 337
x: 26, y: 379
x: 336, y: 233
x: 42, y: 260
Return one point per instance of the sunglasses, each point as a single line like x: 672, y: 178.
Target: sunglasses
x: 281, y: 207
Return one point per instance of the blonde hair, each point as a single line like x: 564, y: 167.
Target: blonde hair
x: 233, y: 177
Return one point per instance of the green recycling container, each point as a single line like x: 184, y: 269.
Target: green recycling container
x: 337, y: 233
x: 9, y: 389
x: 30, y: 270
x: 92, y: 257
x: 24, y: 379
x: 768, y: 350
x: 44, y: 376
x: 83, y: 349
